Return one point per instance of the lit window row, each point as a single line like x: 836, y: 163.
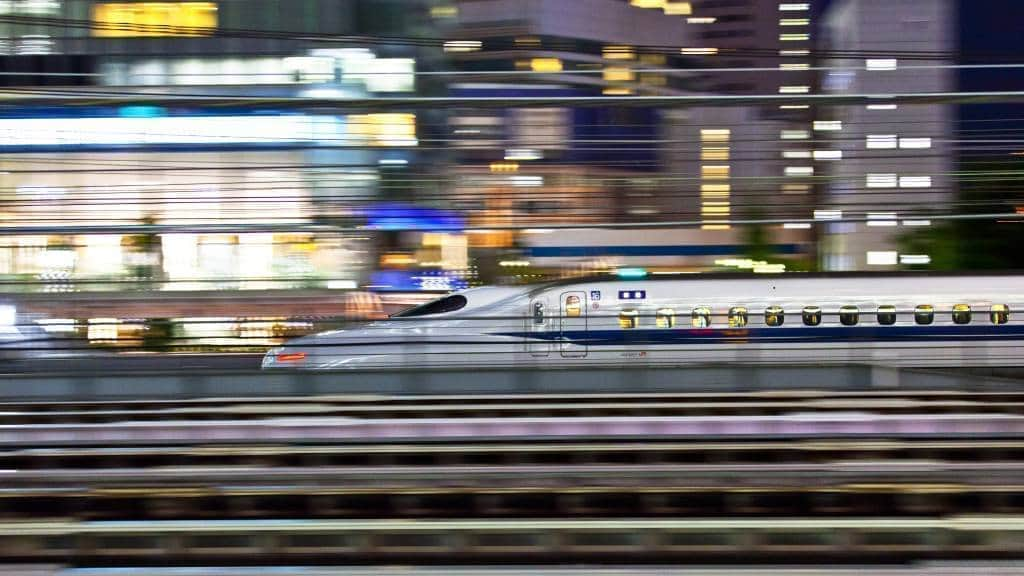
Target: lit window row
x: 890, y: 141
x: 889, y: 180
x: 774, y: 316
x: 715, y: 207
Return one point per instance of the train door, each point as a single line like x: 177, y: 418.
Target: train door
x: 538, y: 322
x: 573, y: 319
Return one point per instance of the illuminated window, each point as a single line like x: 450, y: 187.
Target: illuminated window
x: 799, y: 171
x: 812, y: 315
x: 148, y: 19
x: 802, y: 89
x: 881, y: 181
x: 882, y: 257
x: 823, y: 125
x: 714, y: 135
x: 795, y: 66
x: 698, y: 51
x: 794, y: 37
x: 915, y: 143
x: 700, y: 317
x: 546, y: 65
x: 962, y: 314
x: 828, y: 154
x: 794, y: 134
x: 886, y: 315
x: 794, y: 22
x: 924, y: 314
x: 618, y: 53
x: 880, y: 63
x: 715, y: 190
x: 796, y: 154
x: 737, y: 317
x: 714, y: 154
x: 999, y: 313
x: 714, y: 171
x: 629, y: 319
x: 538, y: 313
x: 701, y: 20
x: 794, y: 6
x: 915, y: 181
x: 665, y: 318
x: 618, y: 74
x: 881, y: 141
x: 462, y: 45
x: 384, y: 129
x: 794, y: 52
x: 774, y: 316
x: 573, y: 308
x: 678, y: 8
x: 848, y: 315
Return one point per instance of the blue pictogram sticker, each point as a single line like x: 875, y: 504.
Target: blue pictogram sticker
x: 632, y: 294
x: 595, y: 294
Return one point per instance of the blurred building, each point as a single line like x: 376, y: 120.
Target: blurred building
x: 194, y: 166
x: 896, y: 159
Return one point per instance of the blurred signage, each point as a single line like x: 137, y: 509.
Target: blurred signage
x: 148, y: 19
x: 408, y: 280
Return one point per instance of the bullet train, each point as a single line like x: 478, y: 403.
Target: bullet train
x: 922, y: 320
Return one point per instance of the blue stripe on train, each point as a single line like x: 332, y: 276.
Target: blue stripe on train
x: 606, y: 337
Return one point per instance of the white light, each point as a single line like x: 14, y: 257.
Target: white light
x: 794, y: 21
x: 882, y: 258
x: 698, y: 51
x: 526, y: 180
x: 881, y: 181
x: 794, y: 37
x: 538, y: 231
x: 794, y: 89
x: 828, y: 214
x: 794, y: 6
x: 794, y: 52
x: 701, y: 19
x: 881, y: 141
x: 392, y: 162
x: 792, y: 154
x: 828, y: 154
x: 794, y: 106
x: 915, y: 181
x: 882, y: 219
x: 915, y: 142
x: 341, y: 284
x: 462, y: 45
x: 917, y: 222
x: 796, y: 225
x: 880, y: 64
x: 8, y: 316
x: 915, y: 259
x: 799, y: 170
x: 765, y: 268
x: 882, y: 106
x: 823, y: 125
x: 794, y: 134
x: 795, y: 66
x: 514, y: 263
x: 523, y: 154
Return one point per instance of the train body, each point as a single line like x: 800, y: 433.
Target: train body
x: 907, y: 320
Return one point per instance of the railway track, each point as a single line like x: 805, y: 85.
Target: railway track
x: 527, y: 405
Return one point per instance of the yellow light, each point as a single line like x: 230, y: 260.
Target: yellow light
x: 462, y: 45
x: 678, y: 8
x: 714, y: 153
x: 796, y: 188
x: 714, y: 210
x: 616, y: 92
x: 504, y: 166
x: 384, y: 129
x: 449, y: 11
x: 652, y: 59
x: 148, y: 19
x: 796, y: 66
x: 618, y: 74
x: 698, y: 51
x: 794, y: 22
x: 546, y: 65
x: 794, y: 37
x: 714, y: 171
x: 714, y: 134
x: 649, y: 3
x: 715, y: 190
x: 618, y: 53
x: 714, y: 227
x: 397, y: 259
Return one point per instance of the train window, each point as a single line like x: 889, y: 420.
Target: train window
x: 774, y: 315
x: 439, y: 306
x: 572, y: 306
x: 737, y: 317
x: 924, y: 314
x: 629, y: 318
x: 812, y: 315
x: 999, y: 313
x: 886, y: 315
x: 700, y: 317
x: 848, y: 315
x: 961, y: 314
x: 538, y: 313
x: 665, y: 318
